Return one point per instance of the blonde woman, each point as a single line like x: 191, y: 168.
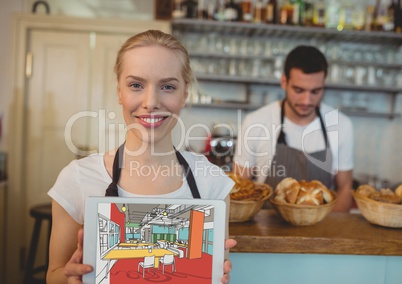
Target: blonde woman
x: 153, y: 81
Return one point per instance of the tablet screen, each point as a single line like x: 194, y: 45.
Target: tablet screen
x: 148, y: 240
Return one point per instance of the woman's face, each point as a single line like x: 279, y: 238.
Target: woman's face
x: 152, y: 92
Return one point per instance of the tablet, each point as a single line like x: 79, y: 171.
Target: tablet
x: 149, y: 240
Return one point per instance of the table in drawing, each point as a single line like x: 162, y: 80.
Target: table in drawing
x: 135, y: 253
x: 135, y: 245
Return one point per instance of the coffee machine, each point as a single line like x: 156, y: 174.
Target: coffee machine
x: 220, y: 147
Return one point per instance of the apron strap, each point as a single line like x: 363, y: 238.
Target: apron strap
x: 281, y: 137
x: 317, y: 110
x: 118, y: 162
x: 117, y: 165
x: 188, y: 174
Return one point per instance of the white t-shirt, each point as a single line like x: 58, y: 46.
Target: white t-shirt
x: 89, y: 177
x: 257, y: 138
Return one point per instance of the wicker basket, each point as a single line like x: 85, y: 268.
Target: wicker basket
x: 379, y: 213
x: 244, y: 210
x: 303, y: 215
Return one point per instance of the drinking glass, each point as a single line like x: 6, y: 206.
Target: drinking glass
x: 360, y: 75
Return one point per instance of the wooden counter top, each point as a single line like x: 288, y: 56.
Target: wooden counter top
x: 338, y: 233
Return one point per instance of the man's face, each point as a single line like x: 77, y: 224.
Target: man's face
x: 304, y: 92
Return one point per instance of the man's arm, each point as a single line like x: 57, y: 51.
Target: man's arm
x: 343, y: 183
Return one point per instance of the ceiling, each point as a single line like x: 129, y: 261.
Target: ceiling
x: 161, y: 214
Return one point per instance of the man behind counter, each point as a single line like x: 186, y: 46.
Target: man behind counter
x: 299, y: 137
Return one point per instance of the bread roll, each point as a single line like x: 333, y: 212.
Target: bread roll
x: 398, y: 191
x: 304, y: 192
x: 366, y: 190
x: 310, y: 194
x: 394, y: 199
x: 287, y: 190
x: 386, y: 191
x: 384, y: 195
x: 327, y: 195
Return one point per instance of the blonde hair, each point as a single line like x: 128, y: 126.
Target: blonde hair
x: 159, y: 38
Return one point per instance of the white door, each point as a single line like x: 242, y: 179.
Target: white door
x: 109, y: 119
x: 57, y: 90
x: 72, y: 105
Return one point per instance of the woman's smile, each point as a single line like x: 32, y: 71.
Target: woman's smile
x: 152, y: 121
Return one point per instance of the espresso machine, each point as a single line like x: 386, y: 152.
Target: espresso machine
x: 220, y: 147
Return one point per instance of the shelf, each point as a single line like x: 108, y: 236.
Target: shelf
x: 226, y: 105
x: 365, y: 64
x: 266, y: 58
x: 364, y: 88
x: 351, y: 40
x: 295, y: 32
x: 252, y: 80
x: 361, y: 113
x: 245, y: 106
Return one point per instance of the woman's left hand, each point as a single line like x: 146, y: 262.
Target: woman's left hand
x: 227, y: 266
x: 74, y: 269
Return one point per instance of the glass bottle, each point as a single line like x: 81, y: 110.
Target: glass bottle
x: 333, y: 15
x: 246, y: 7
x: 211, y: 6
x: 389, y: 19
x: 202, y: 9
x: 271, y: 9
x: 286, y: 13
x: 232, y: 11
x: 398, y: 17
x: 178, y: 11
x: 346, y: 16
x: 368, y: 22
x: 258, y: 10
x: 308, y: 13
x: 380, y: 18
x: 190, y: 8
x: 375, y: 24
x: 319, y: 13
x: 358, y: 17
x: 219, y: 13
x: 298, y: 10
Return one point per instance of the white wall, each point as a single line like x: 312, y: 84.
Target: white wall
x: 7, y: 8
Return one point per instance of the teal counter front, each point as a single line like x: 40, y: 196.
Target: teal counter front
x: 343, y: 248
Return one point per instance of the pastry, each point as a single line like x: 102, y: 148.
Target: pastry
x: 386, y: 191
x: 398, y: 191
x: 287, y: 190
x: 384, y: 195
x: 387, y: 198
x: 366, y: 190
x: 245, y: 189
x: 326, y: 193
x: 304, y: 192
x: 310, y: 194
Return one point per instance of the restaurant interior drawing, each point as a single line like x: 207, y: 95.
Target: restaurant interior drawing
x: 154, y: 242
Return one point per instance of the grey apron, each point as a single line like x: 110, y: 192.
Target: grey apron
x: 298, y: 164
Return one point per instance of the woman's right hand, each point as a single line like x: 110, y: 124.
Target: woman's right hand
x: 74, y: 268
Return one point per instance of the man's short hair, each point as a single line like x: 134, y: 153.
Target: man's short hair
x: 309, y: 59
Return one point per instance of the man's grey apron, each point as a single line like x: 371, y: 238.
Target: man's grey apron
x: 298, y: 164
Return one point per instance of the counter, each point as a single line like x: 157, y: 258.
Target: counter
x: 338, y: 233
x: 343, y: 248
